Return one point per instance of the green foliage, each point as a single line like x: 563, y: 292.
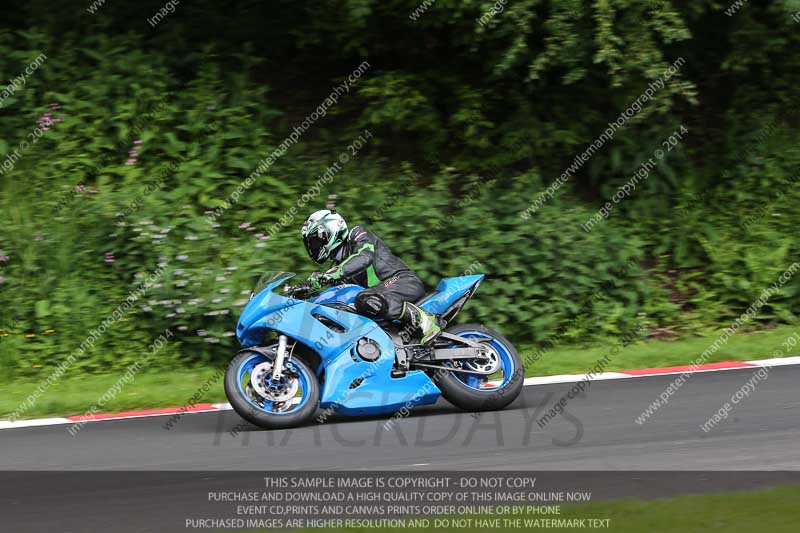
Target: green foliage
x: 471, y: 122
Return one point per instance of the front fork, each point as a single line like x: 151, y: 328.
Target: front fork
x: 279, y: 358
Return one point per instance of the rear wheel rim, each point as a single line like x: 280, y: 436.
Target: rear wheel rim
x: 265, y: 405
x: 499, y: 379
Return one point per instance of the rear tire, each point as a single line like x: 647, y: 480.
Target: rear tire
x: 468, y: 398
x: 260, y: 417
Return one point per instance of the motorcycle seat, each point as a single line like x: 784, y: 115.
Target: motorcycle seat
x: 424, y: 298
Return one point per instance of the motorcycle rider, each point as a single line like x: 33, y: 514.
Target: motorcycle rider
x: 360, y: 257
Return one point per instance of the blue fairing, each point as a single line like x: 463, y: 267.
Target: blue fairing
x: 377, y: 392
x: 343, y: 294
x: 449, y: 291
x: 373, y: 389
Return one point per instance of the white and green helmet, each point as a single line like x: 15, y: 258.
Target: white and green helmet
x: 323, y: 232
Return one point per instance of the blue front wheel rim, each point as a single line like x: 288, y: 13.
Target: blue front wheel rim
x: 292, y: 370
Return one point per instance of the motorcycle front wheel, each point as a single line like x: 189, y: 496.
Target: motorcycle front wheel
x: 257, y: 398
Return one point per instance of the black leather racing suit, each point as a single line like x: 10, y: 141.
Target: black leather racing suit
x: 365, y: 260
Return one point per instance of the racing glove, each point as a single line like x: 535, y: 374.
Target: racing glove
x: 315, y: 281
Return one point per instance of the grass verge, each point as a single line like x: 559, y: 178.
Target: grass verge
x: 75, y: 394
x: 681, y: 351
x: 774, y: 510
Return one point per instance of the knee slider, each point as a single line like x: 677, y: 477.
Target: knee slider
x: 371, y: 305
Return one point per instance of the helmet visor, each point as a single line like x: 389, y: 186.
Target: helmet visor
x: 314, y: 244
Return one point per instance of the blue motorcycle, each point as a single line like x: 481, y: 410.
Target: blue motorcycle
x: 308, y: 349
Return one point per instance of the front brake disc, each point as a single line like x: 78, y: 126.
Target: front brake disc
x: 282, y: 391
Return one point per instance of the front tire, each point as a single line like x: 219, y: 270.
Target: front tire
x: 483, y: 393
x: 260, y: 410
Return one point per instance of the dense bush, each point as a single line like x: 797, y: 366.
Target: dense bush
x: 144, y: 135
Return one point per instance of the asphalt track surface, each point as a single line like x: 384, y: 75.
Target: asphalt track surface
x: 596, y: 432
x: 171, y: 471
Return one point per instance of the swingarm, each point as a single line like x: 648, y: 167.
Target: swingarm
x: 447, y: 347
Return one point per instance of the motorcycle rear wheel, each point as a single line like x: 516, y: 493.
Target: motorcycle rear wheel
x: 483, y: 393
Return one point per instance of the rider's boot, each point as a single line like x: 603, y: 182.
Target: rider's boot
x: 425, y: 323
